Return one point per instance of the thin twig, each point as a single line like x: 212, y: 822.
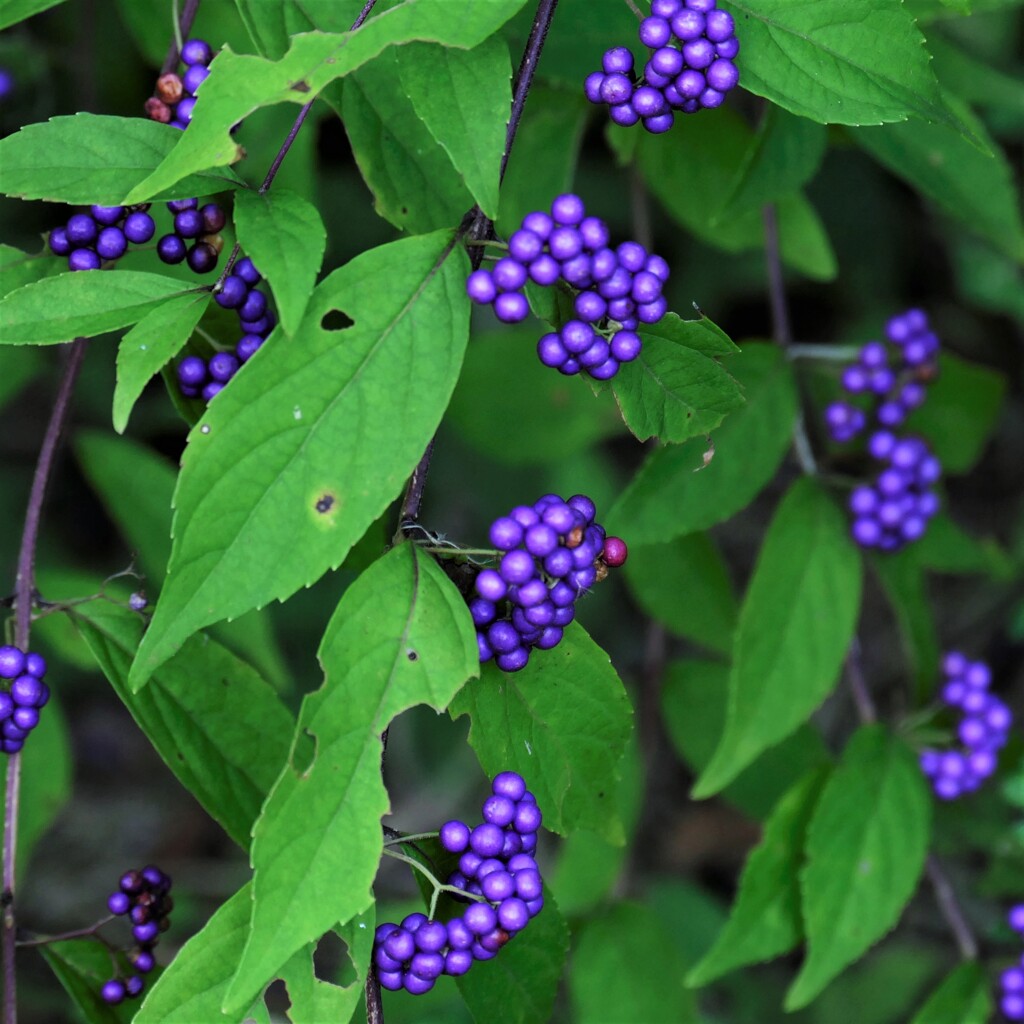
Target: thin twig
x: 79, y: 933
x: 181, y: 31
x: 781, y: 330
x: 374, y: 1006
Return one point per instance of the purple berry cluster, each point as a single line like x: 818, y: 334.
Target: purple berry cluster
x: 616, y: 289
x: 983, y: 730
x: 22, y: 695
x: 690, y: 66
x: 101, y: 235
x: 1011, y: 981
x: 552, y: 552
x: 175, y: 94
x: 144, y: 896
x: 199, y: 377
x: 496, y: 866
x: 195, y: 235
x: 894, y: 509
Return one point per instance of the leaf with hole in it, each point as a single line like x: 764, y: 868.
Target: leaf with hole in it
x: 239, y: 84
x: 282, y: 233
x: 217, y: 724
x: 795, y: 626
x: 84, y: 303
x: 401, y: 636
x: 865, y: 851
x: 96, y: 158
x: 306, y: 448
x: 562, y: 722
x: 678, y: 490
x: 149, y: 345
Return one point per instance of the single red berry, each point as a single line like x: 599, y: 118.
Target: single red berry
x: 157, y: 110
x: 615, y: 551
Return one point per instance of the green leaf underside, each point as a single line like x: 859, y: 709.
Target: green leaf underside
x: 796, y: 622
x: 837, y: 61
x: 672, y: 392
x: 239, y: 84
x: 13, y: 11
x: 675, y: 493
x: 82, y: 304
x: 96, y: 158
x: 562, y: 723
x: 962, y: 998
x: 649, y: 990
x: 520, y: 985
x: 765, y: 919
x: 282, y: 233
x: 144, y: 350
x: 265, y: 501
x: 401, y: 636
x: 866, y: 848
x: 217, y: 724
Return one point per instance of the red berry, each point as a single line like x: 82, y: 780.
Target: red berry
x: 615, y: 551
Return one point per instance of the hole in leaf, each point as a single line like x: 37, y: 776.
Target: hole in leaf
x: 331, y: 960
x: 336, y: 320
x: 324, y: 503
x: 412, y: 655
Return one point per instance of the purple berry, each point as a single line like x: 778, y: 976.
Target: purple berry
x: 12, y: 662
x: 84, y: 259
x: 170, y: 249
x: 139, y: 227
x: 111, y: 243
x: 202, y: 257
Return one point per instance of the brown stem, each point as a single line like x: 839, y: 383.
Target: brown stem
x: 374, y: 1006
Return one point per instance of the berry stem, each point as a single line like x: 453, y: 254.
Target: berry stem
x: 636, y: 10
x: 827, y: 353
x: 397, y: 840
x: 374, y: 1006
x: 182, y: 27
x: 24, y: 589
x: 438, y: 887
x: 79, y: 933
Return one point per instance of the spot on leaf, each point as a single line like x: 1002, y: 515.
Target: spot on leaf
x: 336, y: 320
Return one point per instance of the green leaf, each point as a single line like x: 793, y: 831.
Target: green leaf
x: 482, y: 412
x: 694, y: 703
x: 974, y: 80
x: 19, y: 268
x: 672, y: 392
x: 225, y: 738
x: 13, y: 11
x: 685, y: 586
x: 520, y: 985
x: 701, y: 335
x: 401, y: 636
x: 284, y: 236
x: 962, y: 998
x: 765, y: 919
x: 265, y: 500
x: 837, y: 61
x: 82, y: 304
x: 796, y: 623
x: 17, y: 367
x: 96, y: 158
x: 975, y: 188
x: 649, y: 992
x: 240, y: 84
x: 149, y: 345
x: 678, y: 491
x: 193, y: 986
x: 866, y: 848
x: 562, y: 723
x: 462, y: 98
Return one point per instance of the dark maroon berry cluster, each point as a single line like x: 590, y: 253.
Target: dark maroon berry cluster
x: 175, y: 94
x: 195, y: 235
x: 895, y: 507
x: 144, y: 896
x: 615, y: 289
x: 101, y: 235
x: 690, y: 66
x: 497, y: 869
x: 199, y: 377
x: 982, y: 731
x: 1011, y: 981
x: 23, y: 693
x: 552, y: 552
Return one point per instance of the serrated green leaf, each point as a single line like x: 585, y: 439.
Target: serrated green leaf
x: 309, y: 445
x: 796, y: 623
x: 765, y: 919
x: 149, y: 345
x: 216, y: 723
x: 401, y: 636
x: 649, y: 992
x: 463, y: 98
x: 975, y: 188
x: 962, y: 998
x: 837, y: 61
x: 694, y: 703
x: 240, y: 84
x: 19, y: 268
x: 562, y: 723
x: 520, y: 985
x: 685, y: 586
x: 13, y: 11
x: 96, y: 158
x: 678, y: 491
x: 284, y: 236
x: 193, y: 986
x: 701, y: 335
x: 865, y: 851
x: 82, y: 304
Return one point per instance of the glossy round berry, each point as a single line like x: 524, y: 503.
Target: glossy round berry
x: 12, y: 661
x: 201, y: 257
x: 454, y: 836
x: 511, y: 307
x: 223, y: 366
x: 139, y: 227
x: 111, y: 244
x: 106, y: 215
x: 81, y: 229
x: 193, y: 78
x: 188, y: 224
x: 196, y: 51
x: 246, y: 270
x: 84, y: 259
x: 171, y: 249
x: 58, y: 242
x: 247, y: 346
x: 113, y: 992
